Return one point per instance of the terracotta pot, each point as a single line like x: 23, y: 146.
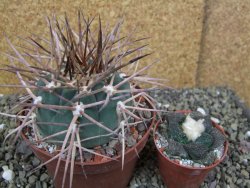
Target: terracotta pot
x: 107, y: 174
x: 178, y: 176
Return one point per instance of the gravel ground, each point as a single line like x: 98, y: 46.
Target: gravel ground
x: 222, y: 104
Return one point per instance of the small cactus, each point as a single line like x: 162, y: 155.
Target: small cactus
x: 201, y: 149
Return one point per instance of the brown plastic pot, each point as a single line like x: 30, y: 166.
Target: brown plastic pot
x: 107, y: 174
x: 177, y: 176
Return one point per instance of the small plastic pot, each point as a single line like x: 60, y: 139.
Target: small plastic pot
x: 105, y: 174
x: 177, y: 176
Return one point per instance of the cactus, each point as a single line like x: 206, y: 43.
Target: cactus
x: 202, y: 149
x: 107, y: 115
x: 78, y: 95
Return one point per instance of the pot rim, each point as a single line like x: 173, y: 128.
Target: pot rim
x: 220, y: 128
x: 101, y: 162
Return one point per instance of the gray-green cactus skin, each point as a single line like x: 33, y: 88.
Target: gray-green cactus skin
x: 107, y: 116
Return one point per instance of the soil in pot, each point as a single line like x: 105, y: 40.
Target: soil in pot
x: 180, y: 166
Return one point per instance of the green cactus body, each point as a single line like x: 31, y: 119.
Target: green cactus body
x: 107, y: 116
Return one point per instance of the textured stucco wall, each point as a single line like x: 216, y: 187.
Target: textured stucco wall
x: 174, y: 28
x: 225, y: 52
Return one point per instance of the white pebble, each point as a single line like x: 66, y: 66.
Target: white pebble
x: 245, y: 161
x: 248, y: 134
x: 2, y: 126
x: 219, y: 152
x: 166, y: 105
x: 1, y: 95
x: 8, y: 174
x: 158, y: 144
x: 186, y: 162
x: 39, y: 146
x: 215, y: 120
x: 201, y: 110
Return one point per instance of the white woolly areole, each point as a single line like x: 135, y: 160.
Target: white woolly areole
x: 51, y: 85
x: 109, y: 89
x: 8, y: 174
x: 83, y: 89
x: 37, y: 100
x: 79, y: 109
x: 52, y: 148
x: 71, y: 83
x: 121, y: 105
x: 122, y: 75
x: 122, y: 123
x: 192, y: 128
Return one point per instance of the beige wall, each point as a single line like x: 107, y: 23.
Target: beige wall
x: 174, y: 28
x: 197, y: 46
x: 225, y: 54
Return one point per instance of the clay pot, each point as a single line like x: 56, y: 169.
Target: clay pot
x: 177, y: 176
x: 105, y: 174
